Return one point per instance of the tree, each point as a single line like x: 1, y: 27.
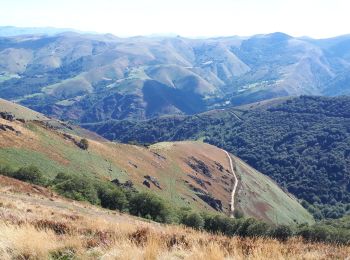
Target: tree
x: 84, y: 144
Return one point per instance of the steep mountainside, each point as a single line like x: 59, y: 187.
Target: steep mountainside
x: 184, y: 173
x: 92, y: 78
x: 302, y: 143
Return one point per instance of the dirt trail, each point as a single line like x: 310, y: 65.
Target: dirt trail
x: 235, y: 185
x: 235, y: 115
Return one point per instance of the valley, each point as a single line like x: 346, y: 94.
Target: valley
x: 89, y: 78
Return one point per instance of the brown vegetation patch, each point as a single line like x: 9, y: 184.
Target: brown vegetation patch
x: 97, y: 234
x: 13, y: 185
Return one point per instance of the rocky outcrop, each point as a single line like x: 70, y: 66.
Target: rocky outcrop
x: 219, y: 166
x: 153, y: 180
x: 128, y: 185
x: 212, y: 202
x: 199, y: 166
x: 147, y: 183
x: 199, y: 181
x: 7, y: 116
x: 4, y: 127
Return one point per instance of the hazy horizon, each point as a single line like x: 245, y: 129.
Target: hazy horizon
x: 192, y: 19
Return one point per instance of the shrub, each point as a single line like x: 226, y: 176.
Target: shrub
x: 75, y: 187
x: 5, y: 170
x: 193, y: 219
x: 220, y: 224
x: 257, y: 229
x: 238, y: 214
x: 30, y: 174
x: 281, y: 232
x: 244, y: 226
x: 112, y: 198
x: 316, y: 233
x: 84, y: 144
x: 147, y: 205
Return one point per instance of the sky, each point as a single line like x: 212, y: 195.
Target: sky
x: 188, y: 18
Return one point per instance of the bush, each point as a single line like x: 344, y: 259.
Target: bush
x: 5, y: 170
x: 193, y: 219
x: 30, y: 174
x: 238, y: 214
x: 316, y: 233
x: 147, y: 205
x: 84, y: 144
x: 281, y: 232
x: 220, y: 224
x: 74, y: 187
x: 257, y: 229
x: 112, y: 198
x: 244, y: 226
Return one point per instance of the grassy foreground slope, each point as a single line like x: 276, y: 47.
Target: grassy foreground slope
x: 38, y: 224
x: 191, y: 174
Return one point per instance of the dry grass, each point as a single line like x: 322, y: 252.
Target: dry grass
x: 39, y: 234
x: 38, y: 227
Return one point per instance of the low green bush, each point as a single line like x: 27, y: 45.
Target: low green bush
x: 74, y: 187
x: 30, y: 174
x: 112, y: 197
x: 193, y: 220
x: 150, y: 206
x: 5, y: 170
x: 281, y: 232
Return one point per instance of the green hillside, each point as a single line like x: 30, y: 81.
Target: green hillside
x: 185, y: 174
x: 301, y: 143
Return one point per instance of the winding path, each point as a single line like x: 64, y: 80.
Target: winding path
x: 235, y: 185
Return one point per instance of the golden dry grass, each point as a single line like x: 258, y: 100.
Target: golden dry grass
x: 40, y: 231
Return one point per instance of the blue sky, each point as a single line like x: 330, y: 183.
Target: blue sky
x: 191, y: 18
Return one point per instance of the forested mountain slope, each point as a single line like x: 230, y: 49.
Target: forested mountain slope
x: 302, y: 143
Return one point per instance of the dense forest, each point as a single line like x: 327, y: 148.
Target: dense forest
x: 302, y: 143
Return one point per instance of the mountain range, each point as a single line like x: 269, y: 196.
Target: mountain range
x: 90, y: 78
x: 165, y: 147
x: 236, y: 93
